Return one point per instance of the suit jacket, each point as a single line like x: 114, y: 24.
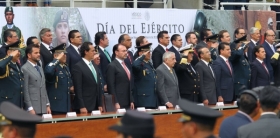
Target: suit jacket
x: 35, y: 93
x: 128, y: 61
x: 73, y: 57
x: 207, y: 83
x: 269, y: 54
x: 87, y: 90
x: 118, y: 84
x: 167, y: 85
x: 103, y: 63
x: 177, y: 54
x: 157, y: 56
x: 46, y: 55
x: 229, y: 126
x: 267, y: 126
x: 259, y: 75
x: 11, y: 82
x: 224, y: 79
x: 251, y: 55
x: 189, y: 82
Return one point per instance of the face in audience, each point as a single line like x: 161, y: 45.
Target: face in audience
x: 261, y: 54
x: 121, y: 53
x: 206, y: 55
x: 192, y: 39
x: 226, y: 37
x: 35, y: 55
x: 170, y: 62
x: 96, y: 59
x: 226, y: 52
x: 47, y: 38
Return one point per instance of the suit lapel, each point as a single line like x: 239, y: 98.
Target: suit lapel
x: 193, y: 74
x: 118, y: 64
x: 33, y: 70
x: 172, y: 77
x: 262, y: 67
x: 225, y: 65
x: 74, y: 51
x: 208, y: 69
x: 87, y: 70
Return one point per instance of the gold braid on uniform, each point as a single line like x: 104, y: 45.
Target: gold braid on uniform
x: 184, y: 61
x: 7, y: 70
x: 21, y: 45
x: 275, y: 56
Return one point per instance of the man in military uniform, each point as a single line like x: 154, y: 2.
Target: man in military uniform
x: 145, y: 79
x: 198, y: 121
x: 17, y: 123
x: 9, y: 15
x: 11, y: 77
x: 240, y: 64
x: 58, y: 81
x: 275, y: 63
x: 61, y: 28
x: 212, y: 45
x: 188, y: 78
x: 135, y: 124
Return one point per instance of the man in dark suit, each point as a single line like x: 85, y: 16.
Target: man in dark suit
x: 119, y: 78
x: 255, y: 37
x: 269, y: 124
x: 188, y: 78
x: 248, y: 105
x: 240, y: 64
x: 10, y: 37
x: 144, y: 91
x: 224, y: 74
x: 167, y: 81
x: 163, y: 39
x: 86, y: 82
x: 45, y: 47
x: 275, y: 63
x: 203, y: 35
x: 207, y: 77
x: 177, y: 43
x: 101, y: 41
x: 269, y: 48
x: 58, y: 81
x: 11, y: 77
x: 259, y: 73
x: 191, y: 38
x: 73, y: 53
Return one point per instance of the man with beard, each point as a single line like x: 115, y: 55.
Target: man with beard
x: 35, y: 94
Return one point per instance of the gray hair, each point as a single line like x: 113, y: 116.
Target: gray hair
x: 167, y: 55
x: 253, y: 30
x: 43, y: 31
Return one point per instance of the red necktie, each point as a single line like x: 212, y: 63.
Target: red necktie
x: 166, y: 50
x: 128, y: 55
x: 265, y: 67
x: 19, y: 62
x: 126, y: 70
x: 229, y: 67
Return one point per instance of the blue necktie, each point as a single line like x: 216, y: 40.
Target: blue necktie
x: 37, y: 68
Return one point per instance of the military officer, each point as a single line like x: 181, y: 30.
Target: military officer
x: 145, y: 79
x: 11, y: 76
x: 240, y: 64
x: 58, y: 81
x: 189, y: 84
x: 212, y: 44
x: 17, y: 123
x: 9, y: 15
x: 275, y: 63
x: 198, y: 121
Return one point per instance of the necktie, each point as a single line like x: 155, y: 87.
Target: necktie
x: 128, y: 55
x: 166, y: 50
x: 229, y: 66
x: 107, y: 55
x: 18, y: 62
x: 211, y: 70
x: 126, y: 70
x: 93, y: 71
x: 37, y: 68
x: 172, y: 74
x: 272, y: 48
x: 265, y: 67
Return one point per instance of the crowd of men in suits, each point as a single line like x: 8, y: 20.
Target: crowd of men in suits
x: 209, y: 70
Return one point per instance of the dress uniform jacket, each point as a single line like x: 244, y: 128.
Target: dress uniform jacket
x: 241, y: 69
x: 214, y: 53
x: 144, y: 91
x: 11, y: 82
x: 189, y: 82
x: 58, y: 83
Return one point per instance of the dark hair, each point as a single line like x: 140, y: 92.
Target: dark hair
x: 139, y: 40
x: 115, y: 48
x: 98, y: 36
x: 222, y: 46
x: 72, y: 34
x: 236, y: 31
x: 43, y: 31
x: 221, y: 34
x: 265, y: 34
x: 248, y: 103
x: 174, y: 37
x: 188, y: 35
x: 160, y: 34
x: 30, y: 40
x: 29, y: 49
x: 84, y: 47
x: 199, y: 52
x: 8, y: 33
x: 204, y: 34
x: 257, y: 49
x: 25, y: 131
x: 121, y: 38
x: 269, y: 98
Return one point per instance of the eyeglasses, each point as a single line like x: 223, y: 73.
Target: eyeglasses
x: 271, y: 35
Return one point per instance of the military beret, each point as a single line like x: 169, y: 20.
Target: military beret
x: 9, y: 9
x: 60, y: 16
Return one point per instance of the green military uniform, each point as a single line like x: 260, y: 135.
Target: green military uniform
x: 18, y: 31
